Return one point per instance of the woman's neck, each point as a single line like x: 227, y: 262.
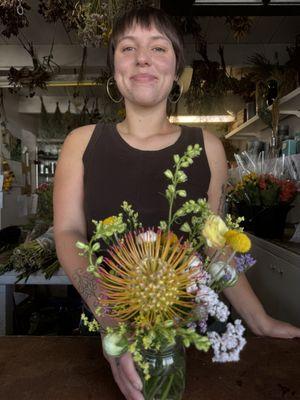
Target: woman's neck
x: 144, y: 122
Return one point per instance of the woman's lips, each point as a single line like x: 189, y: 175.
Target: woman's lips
x: 143, y: 78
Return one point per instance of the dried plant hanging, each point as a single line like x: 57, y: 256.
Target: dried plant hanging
x: 210, y: 82
x: 239, y: 26
x: 190, y: 25
x: 35, y: 77
x: 57, y: 128
x: 13, y: 17
x: 6, y: 135
x: 58, y: 10
x: 45, y: 123
x: 69, y: 120
x: 93, y: 20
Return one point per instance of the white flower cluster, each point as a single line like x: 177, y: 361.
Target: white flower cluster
x: 208, y: 299
x: 227, y: 346
x: 198, y: 275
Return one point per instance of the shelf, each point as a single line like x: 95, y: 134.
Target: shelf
x: 50, y: 140
x: 45, y: 157
x: 289, y: 105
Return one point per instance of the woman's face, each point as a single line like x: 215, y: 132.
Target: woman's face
x: 145, y: 65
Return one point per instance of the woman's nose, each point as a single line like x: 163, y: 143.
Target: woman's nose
x: 143, y: 57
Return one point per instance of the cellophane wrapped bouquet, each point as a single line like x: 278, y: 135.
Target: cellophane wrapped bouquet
x: 262, y: 190
x: 163, y: 289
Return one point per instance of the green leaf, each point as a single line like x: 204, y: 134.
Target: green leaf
x: 185, y: 228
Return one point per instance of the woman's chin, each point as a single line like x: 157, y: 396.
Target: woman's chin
x: 144, y: 101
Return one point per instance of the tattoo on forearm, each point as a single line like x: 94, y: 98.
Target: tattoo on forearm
x: 85, y: 284
x: 222, y: 202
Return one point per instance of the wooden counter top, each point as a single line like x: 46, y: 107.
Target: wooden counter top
x: 73, y: 368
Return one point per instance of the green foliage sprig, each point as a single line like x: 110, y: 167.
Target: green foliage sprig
x: 177, y: 177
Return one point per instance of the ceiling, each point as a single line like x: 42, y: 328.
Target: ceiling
x: 265, y: 29
x: 231, y: 7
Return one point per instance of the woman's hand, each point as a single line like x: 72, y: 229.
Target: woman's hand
x: 126, y: 376
x: 279, y: 329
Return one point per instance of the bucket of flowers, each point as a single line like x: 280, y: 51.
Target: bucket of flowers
x: 162, y: 289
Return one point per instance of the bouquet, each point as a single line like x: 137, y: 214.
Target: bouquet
x: 32, y: 256
x: 263, y: 193
x: 263, y: 190
x: 161, y: 289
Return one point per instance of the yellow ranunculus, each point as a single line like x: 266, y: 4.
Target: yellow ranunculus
x: 238, y: 241
x: 214, y: 230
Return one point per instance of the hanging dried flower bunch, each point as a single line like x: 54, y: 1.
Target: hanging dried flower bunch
x: 210, y: 82
x: 93, y: 21
x: 12, y: 16
x: 94, y: 18
x: 54, y: 10
x: 240, y: 26
x: 35, y: 77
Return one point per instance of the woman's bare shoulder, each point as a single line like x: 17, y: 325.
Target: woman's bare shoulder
x: 211, y: 141
x: 78, y: 139
x: 81, y: 134
x: 215, y: 152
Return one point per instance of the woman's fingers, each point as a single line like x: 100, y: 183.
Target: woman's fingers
x: 121, y: 378
x: 280, y: 329
x: 131, y: 392
x: 116, y: 375
x: 128, y: 369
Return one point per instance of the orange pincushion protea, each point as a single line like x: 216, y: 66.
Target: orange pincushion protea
x: 148, y: 279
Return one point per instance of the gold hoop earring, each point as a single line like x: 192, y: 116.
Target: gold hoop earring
x: 175, y: 93
x: 111, y: 82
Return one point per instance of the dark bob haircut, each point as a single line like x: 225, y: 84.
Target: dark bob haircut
x: 145, y: 17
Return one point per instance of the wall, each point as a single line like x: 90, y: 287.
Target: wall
x: 20, y: 125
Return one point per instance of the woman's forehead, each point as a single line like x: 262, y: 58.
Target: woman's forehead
x: 136, y: 29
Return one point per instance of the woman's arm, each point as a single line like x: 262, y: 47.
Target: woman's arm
x: 69, y: 227
x: 241, y: 296
x: 69, y: 221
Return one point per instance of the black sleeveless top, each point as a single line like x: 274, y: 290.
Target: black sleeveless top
x: 114, y: 171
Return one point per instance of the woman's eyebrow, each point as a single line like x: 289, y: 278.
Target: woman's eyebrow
x: 151, y: 38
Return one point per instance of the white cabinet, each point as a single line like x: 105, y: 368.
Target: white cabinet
x: 276, y: 279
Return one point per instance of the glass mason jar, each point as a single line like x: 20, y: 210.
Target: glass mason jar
x: 167, y: 373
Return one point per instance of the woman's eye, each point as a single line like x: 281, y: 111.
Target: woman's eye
x: 159, y: 49
x: 128, y: 48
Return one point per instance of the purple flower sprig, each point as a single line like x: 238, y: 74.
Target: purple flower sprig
x: 244, y: 262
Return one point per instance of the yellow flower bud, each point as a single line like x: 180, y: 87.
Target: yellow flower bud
x: 109, y: 220
x: 238, y: 241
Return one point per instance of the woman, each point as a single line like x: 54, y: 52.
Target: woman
x: 102, y: 165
